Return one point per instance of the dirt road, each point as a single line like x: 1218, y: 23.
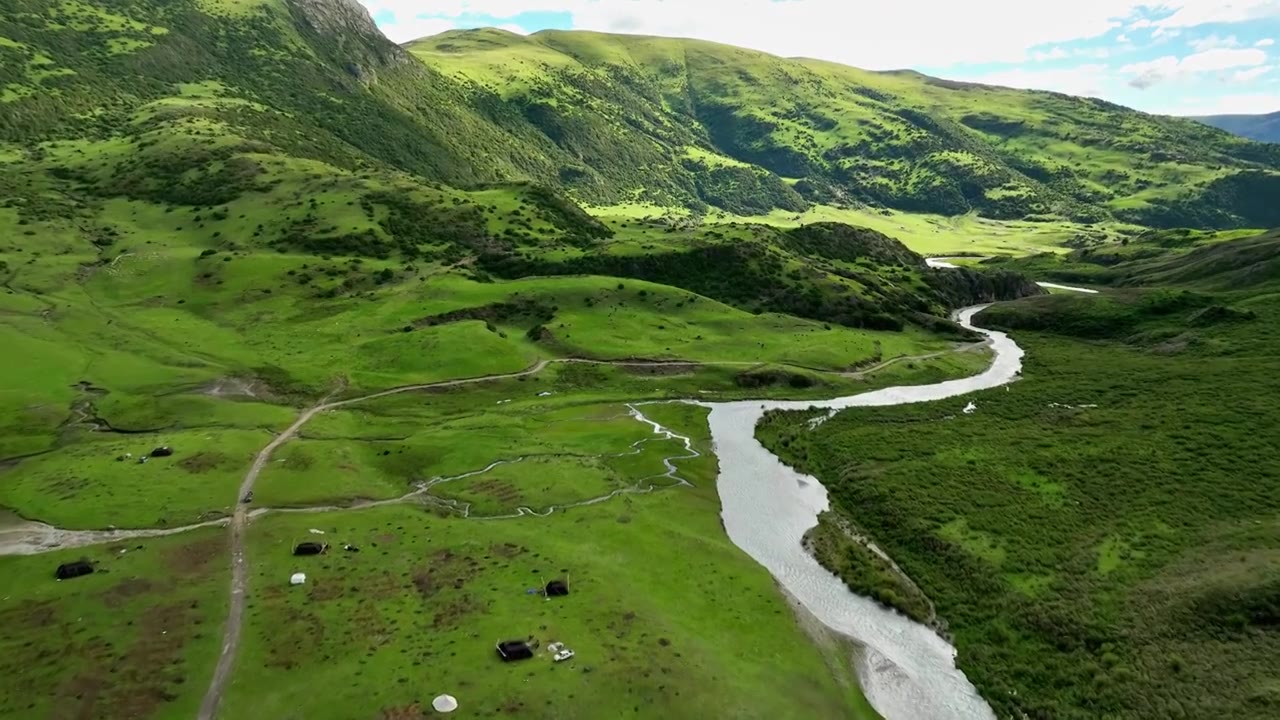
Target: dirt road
x: 240, y: 519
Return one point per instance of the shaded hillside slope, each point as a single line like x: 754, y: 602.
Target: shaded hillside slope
x: 1203, y: 261
x: 614, y: 119
x: 312, y: 77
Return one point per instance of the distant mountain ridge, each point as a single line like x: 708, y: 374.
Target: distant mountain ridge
x: 608, y: 119
x: 692, y: 122
x: 1263, y: 128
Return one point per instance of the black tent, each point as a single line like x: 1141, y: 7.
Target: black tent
x: 66, y: 571
x: 510, y: 650
x: 165, y: 451
x: 309, y: 548
x: 557, y: 588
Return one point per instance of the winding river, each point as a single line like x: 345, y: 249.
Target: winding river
x: 906, y: 670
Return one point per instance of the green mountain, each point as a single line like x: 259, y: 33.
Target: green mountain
x: 1264, y: 128
x: 611, y: 119
x: 689, y: 122
x: 216, y: 213
x: 261, y: 188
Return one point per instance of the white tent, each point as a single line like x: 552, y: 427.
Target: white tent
x: 445, y: 704
x: 298, y: 579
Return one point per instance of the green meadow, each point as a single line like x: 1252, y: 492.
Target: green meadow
x: 138, y: 638
x: 417, y: 611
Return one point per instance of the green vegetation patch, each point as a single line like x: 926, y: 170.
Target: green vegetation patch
x: 100, y: 482
x: 866, y: 573
x: 137, y: 638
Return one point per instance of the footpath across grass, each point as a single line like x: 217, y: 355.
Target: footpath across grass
x: 666, y: 616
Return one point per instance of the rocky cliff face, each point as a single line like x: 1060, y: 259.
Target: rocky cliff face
x: 337, y: 16
x: 347, y: 32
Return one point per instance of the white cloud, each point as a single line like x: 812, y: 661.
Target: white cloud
x: 411, y: 28
x: 1242, y: 104
x: 1252, y: 104
x: 1153, y: 72
x: 1209, y: 42
x: 1244, y: 76
x: 865, y: 33
x: 1193, y: 13
x: 1265, y: 42
x: 1054, y: 54
x: 1085, y: 80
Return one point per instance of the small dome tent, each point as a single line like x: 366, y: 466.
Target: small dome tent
x: 67, y: 571
x: 510, y: 650
x: 309, y: 548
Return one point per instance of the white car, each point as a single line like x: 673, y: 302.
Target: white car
x: 563, y: 655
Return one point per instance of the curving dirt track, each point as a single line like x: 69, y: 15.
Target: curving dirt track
x: 34, y: 537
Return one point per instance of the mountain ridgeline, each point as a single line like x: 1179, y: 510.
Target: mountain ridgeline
x: 1263, y: 128
x: 689, y: 122
x: 610, y: 119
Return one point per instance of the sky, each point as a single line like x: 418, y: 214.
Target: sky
x: 1175, y: 57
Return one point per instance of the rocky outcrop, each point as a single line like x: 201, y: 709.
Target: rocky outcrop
x: 347, y: 33
x: 965, y: 286
x: 338, y: 16
x: 837, y: 241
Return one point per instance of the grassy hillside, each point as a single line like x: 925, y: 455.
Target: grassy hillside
x: 1220, y: 261
x: 688, y: 122
x: 1263, y: 128
x: 215, y: 213
x: 616, y: 120
x: 1100, y: 537
x: 283, y: 197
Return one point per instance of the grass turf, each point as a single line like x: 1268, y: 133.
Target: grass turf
x: 138, y: 638
x: 417, y: 612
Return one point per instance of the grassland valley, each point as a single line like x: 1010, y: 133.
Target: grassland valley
x: 581, y: 375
